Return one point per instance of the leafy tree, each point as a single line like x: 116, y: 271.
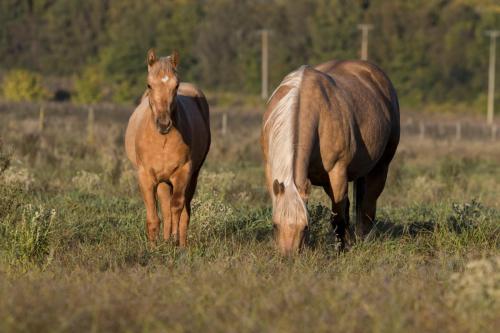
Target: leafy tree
x: 89, y: 87
x: 73, y: 32
x: 433, y: 50
x: 22, y: 85
x: 333, y: 31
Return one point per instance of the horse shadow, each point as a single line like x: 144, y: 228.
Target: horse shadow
x: 382, y: 230
x: 257, y: 226
x: 323, y: 233
x: 462, y: 218
x: 389, y: 229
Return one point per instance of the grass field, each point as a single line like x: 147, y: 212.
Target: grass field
x: 74, y: 257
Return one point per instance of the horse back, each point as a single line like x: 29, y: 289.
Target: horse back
x: 375, y: 80
x: 196, y: 125
x: 365, y: 102
x: 365, y: 76
x: 193, y: 92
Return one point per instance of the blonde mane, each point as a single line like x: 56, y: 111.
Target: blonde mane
x: 281, y: 128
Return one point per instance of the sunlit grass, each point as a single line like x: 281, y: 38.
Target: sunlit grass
x: 74, y: 256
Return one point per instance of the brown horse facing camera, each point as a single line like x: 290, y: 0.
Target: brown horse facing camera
x: 167, y: 140
x: 326, y: 126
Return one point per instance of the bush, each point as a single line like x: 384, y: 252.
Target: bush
x: 22, y: 85
x: 86, y: 181
x: 28, y: 239
x: 466, y: 216
x: 18, y: 175
x: 478, y: 286
x: 4, y: 158
x: 89, y: 86
x: 125, y: 91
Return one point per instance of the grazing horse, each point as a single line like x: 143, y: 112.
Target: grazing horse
x: 167, y: 140
x: 327, y: 126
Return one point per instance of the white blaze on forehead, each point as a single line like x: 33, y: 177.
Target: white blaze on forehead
x: 164, y: 79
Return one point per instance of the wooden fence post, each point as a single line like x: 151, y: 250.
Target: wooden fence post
x: 90, y: 126
x: 422, y: 130
x: 224, y: 123
x: 41, y: 119
x: 458, y: 127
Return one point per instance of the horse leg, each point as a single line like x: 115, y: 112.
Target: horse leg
x: 148, y: 189
x: 180, y: 181
x: 165, y: 196
x: 186, y: 212
x: 374, y: 185
x: 340, y: 204
x: 359, y: 188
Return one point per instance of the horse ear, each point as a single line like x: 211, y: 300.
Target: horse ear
x: 174, y: 59
x: 151, y: 58
x: 278, y: 188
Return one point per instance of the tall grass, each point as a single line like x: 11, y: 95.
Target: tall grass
x: 74, y: 256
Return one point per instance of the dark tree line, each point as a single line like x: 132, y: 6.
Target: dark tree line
x: 432, y: 49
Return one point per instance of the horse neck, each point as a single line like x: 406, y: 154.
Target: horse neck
x: 289, y: 206
x: 284, y: 136
x: 149, y: 112
x: 306, y: 129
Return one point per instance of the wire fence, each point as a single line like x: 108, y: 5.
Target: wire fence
x: 226, y: 120
x: 431, y: 129
x: 450, y: 130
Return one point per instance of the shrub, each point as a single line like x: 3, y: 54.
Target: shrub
x: 125, y: 92
x: 478, y: 285
x: 89, y: 85
x: 86, y: 181
x: 18, y: 175
x: 28, y: 240
x: 4, y: 158
x: 22, y: 85
x: 466, y: 216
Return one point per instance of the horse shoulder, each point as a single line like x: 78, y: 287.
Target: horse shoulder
x: 321, y: 96
x: 327, y: 112
x: 133, y: 127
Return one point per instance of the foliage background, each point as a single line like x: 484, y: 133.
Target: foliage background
x: 434, y: 50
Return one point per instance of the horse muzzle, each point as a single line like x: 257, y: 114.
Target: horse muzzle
x: 164, y: 127
x: 291, y: 242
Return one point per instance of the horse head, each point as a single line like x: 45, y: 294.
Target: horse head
x: 290, y: 217
x: 163, y: 83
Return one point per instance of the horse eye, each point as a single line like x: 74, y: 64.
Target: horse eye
x: 149, y: 86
